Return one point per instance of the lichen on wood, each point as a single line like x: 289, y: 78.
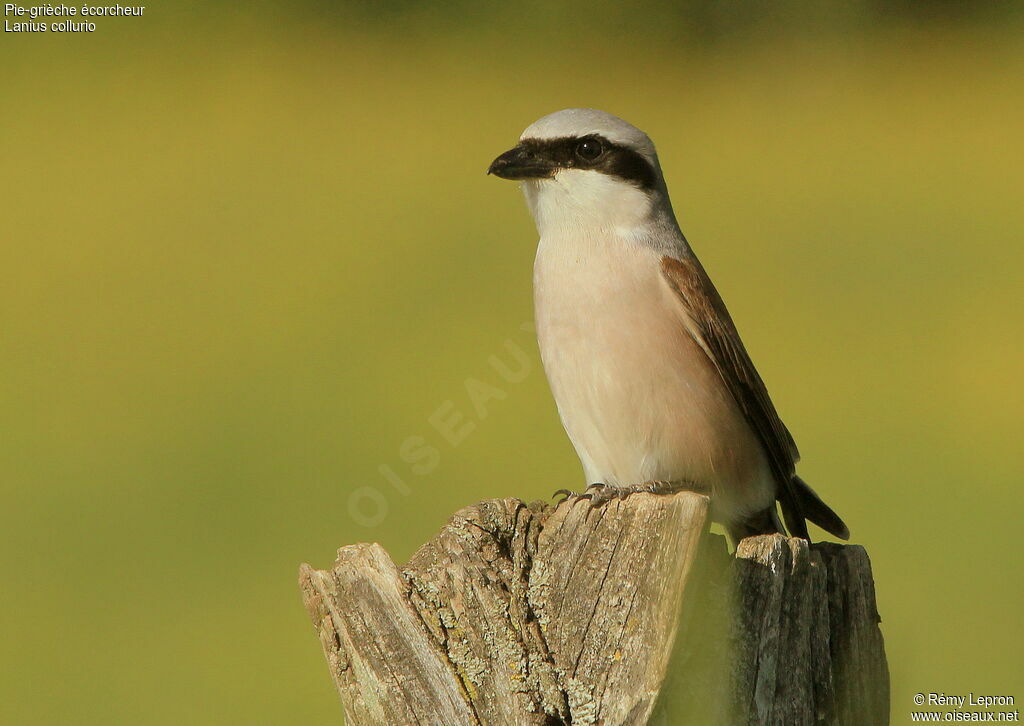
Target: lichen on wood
x: 632, y: 613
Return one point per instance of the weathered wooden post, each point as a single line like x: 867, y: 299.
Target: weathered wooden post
x: 533, y: 614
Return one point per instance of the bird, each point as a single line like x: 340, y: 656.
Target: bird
x: 652, y: 383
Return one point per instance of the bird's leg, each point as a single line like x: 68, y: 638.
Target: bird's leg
x: 600, y: 494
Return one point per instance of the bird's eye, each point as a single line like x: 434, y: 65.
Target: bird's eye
x: 589, y: 149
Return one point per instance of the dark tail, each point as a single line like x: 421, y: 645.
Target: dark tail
x: 817, y: 511
x: 798, y: 502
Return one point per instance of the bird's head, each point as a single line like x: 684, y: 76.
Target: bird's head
x: 583, y: 167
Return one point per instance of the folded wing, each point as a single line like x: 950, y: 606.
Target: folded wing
x: 709, y: 324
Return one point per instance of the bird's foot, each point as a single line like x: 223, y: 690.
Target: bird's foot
x: 600, y: 494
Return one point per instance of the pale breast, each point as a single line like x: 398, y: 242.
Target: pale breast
x: 638, y: 397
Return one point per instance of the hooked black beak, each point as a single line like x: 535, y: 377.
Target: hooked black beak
x: 521, y: 163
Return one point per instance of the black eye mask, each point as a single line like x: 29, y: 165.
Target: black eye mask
x: 543, y: 158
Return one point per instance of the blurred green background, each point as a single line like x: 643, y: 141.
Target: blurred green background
x: 247, y: 254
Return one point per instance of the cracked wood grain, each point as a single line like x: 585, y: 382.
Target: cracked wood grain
x: 532, y: 614
x: 609, y: 594
x: 386, y: 667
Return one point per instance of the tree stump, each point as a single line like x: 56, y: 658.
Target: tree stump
x: 533, y: 614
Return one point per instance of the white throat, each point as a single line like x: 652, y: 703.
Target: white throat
x: 576, y: 201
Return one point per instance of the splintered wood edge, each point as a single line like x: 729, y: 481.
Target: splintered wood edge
x: 385, y: 665
x: 639, y: 586
x: 594, y: 599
